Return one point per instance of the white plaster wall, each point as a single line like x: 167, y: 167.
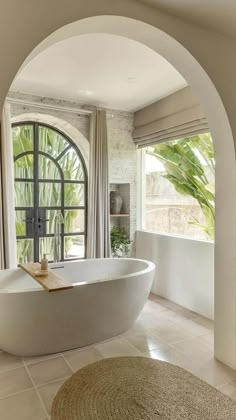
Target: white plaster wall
x: 121, y: 149
x: 184, y: 269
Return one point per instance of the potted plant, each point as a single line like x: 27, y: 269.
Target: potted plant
x: 119, y: 242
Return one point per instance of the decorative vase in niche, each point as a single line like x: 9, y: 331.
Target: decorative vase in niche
x: 116, y: 202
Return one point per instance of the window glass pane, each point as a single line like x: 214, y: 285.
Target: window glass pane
x: 51, y: 142
x: 180, y: 178
x: 73, y: 195
x: 74, y: 221
x: 48, y: 169
x: 24, y: 167
x: 25, y: 250
x: 46, y: 246
x: 22, y: 137
x: 74, y: 247
x: 20, y: 223
x: 72, y: 166
x: 49, y: 194
x: 24, y: 194
x: 50, y: 221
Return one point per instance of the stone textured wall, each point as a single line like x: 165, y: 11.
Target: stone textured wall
x: 122, y: 160
x: 121, y: 148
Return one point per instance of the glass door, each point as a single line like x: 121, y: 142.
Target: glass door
x: 50, y: 179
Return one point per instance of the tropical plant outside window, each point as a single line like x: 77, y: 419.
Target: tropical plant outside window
x: 180, y: 193
x: 50, y: 178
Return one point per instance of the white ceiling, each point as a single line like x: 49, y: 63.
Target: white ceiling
x: 217, y: 15
x: 102, y: 70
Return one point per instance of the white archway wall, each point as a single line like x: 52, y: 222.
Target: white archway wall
x: 121, y: 149
x: 212, y: 51
x: 199, y: 81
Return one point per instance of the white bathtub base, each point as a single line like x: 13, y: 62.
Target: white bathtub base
x: 34, y: 322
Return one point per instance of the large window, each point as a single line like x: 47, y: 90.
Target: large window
x: 50, y: 180
x: 178, y: 193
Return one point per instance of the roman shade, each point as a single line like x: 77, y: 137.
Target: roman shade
x: 176, y: 116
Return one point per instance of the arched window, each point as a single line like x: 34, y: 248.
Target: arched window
x: 50, y: 180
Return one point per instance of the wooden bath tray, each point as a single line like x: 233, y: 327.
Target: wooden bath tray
x: 51, y: 282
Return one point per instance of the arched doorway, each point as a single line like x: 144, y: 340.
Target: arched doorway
x: 198, y: 79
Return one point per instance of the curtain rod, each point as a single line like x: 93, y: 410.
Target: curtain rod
x: 49, y: 106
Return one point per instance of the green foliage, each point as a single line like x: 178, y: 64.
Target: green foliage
x: 190, y: 166
x: 119, y: 241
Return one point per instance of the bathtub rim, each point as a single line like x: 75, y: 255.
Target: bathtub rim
x: 150, y: 267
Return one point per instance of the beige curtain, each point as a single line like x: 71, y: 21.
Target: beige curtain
x: 8, y: 257
x: 98, y: 240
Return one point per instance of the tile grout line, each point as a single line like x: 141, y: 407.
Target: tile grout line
x: 43, y: 358
x: 14, y: 368
x: 16, y: 393
x: 68, y: 364
x: 52, y: 382
x: 36, y: 390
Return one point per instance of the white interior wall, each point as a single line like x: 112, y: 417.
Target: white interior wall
x: 184, y: 269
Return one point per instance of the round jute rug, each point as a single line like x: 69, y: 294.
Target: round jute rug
x: 138, y: 388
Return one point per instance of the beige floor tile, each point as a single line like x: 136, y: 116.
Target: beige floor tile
x: 215, y: 373
x: 13, y: 381
x: 172, y: 333
x: 48, y: 392
x: 168, y: 354
x: 229, y: 389
x: 161, y: 324
x: 160, y: 353
x: 138, y: 327
x: 29, y: 360
x: 144, y: 342
x: 49, y: 370
x: 117, y: 347
x: 8, y: 361
x: 79, y: 358
x: 179, y: 359
x: 152, y: 306
x: 23, y: 406
x: 174, y: 307
x: 208, y: 339
x: 171, y: 316
x: 193, y: 328
x: 194, y: 348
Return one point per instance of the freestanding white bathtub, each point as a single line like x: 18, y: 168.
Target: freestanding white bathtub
x: 107, y: 297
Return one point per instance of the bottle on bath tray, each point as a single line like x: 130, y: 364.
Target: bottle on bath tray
x: 44, y: 267
x: 44, y: 263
